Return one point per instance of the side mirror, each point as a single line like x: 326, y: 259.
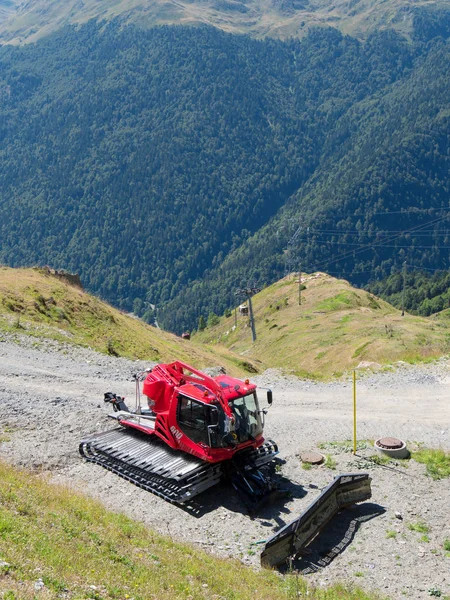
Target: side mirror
x: 269, y: 397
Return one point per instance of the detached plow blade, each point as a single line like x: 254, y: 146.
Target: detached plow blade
x: 343, y: 491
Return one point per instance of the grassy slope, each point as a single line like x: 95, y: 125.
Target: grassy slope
x: 32, y: 20
x: 335, y: 328
x: 41, y: 305
x: 81, y: 550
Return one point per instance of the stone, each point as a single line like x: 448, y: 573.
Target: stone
x: 39, y: 584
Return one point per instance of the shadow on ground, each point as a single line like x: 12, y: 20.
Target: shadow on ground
x: 272, y: 508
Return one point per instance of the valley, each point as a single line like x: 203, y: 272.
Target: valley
x: 172, y: 166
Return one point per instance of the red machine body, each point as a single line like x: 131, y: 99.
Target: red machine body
x: 211, y: 418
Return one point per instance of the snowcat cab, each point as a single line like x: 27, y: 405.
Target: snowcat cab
x: 211, y: 418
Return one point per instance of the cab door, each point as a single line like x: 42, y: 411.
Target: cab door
x: 192, y: 419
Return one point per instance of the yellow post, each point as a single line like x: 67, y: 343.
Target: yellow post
x: 354, y: 412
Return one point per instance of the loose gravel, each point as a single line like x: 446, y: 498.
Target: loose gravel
x: 51, y: 396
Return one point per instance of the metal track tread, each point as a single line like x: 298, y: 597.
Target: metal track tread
x: 254, y: 459
x: 151, y: 465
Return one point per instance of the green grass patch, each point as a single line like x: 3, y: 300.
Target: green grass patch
x: 419, y: 527
x: 361, y: 349
x: 81, y: 550
x: 437, y: 462
x: 330, y: 463
x: 345, y: 318
x: 391, y: 534
x: 380, y: 459
x: 340, y: 301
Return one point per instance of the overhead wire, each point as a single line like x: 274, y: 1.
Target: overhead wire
x: 377, y: 244
x: 355, y: 232
x: 382, y: 245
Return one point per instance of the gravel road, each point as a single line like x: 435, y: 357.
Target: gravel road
x: 51, y: 396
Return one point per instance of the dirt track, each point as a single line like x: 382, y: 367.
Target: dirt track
x: 51, y: 396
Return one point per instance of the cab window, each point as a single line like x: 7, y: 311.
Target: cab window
x: 192, y: 419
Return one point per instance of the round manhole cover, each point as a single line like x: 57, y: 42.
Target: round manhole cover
x: 390, y: 443
x: 313, y: 458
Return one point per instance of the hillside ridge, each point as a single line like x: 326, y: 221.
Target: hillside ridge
x: 26, y: 22
x: 336, y: 328
x: 38, y: 302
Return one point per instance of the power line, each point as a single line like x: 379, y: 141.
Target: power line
x: 355, y: 232
x: 409, y: 210
x: 375, y: 244
x: 381, y: 245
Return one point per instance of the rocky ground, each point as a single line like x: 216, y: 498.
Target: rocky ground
x: 51, y: 397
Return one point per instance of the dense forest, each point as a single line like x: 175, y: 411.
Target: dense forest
x: 171, y: 166
x: 418, y: 292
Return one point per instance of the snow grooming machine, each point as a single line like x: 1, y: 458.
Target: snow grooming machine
x: 195, y: 431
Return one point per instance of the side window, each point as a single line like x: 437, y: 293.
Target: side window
x: 191, y: 419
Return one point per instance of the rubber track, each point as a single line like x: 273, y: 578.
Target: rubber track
x: 151, y: 465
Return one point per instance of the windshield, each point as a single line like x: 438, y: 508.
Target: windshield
x: 208, y: 424
x: 247, y: 417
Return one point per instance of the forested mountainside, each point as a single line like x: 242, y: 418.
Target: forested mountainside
x: 27, y: 21
x: 419, y: 292
x: 379, y: 195
x: 169, y: 166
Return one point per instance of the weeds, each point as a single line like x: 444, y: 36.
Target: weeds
x: 391, y: 534
x: 110, y: 348
x: 380, y: 459
x: 419, y: 527
x: 330, y: 463
x: 345, y: 446
x: 437, y: 462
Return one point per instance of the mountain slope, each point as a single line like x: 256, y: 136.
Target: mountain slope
x: 383, y: 171
x: 170, y: 166
x: 142, y: 159
x: 29, y: 21
x: 43, y: 305
x: 334, y: 329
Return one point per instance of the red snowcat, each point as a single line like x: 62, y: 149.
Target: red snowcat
x: 193, y: 431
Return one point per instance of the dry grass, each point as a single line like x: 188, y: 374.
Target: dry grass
x: 335, y: 328
x: 40, y: 305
